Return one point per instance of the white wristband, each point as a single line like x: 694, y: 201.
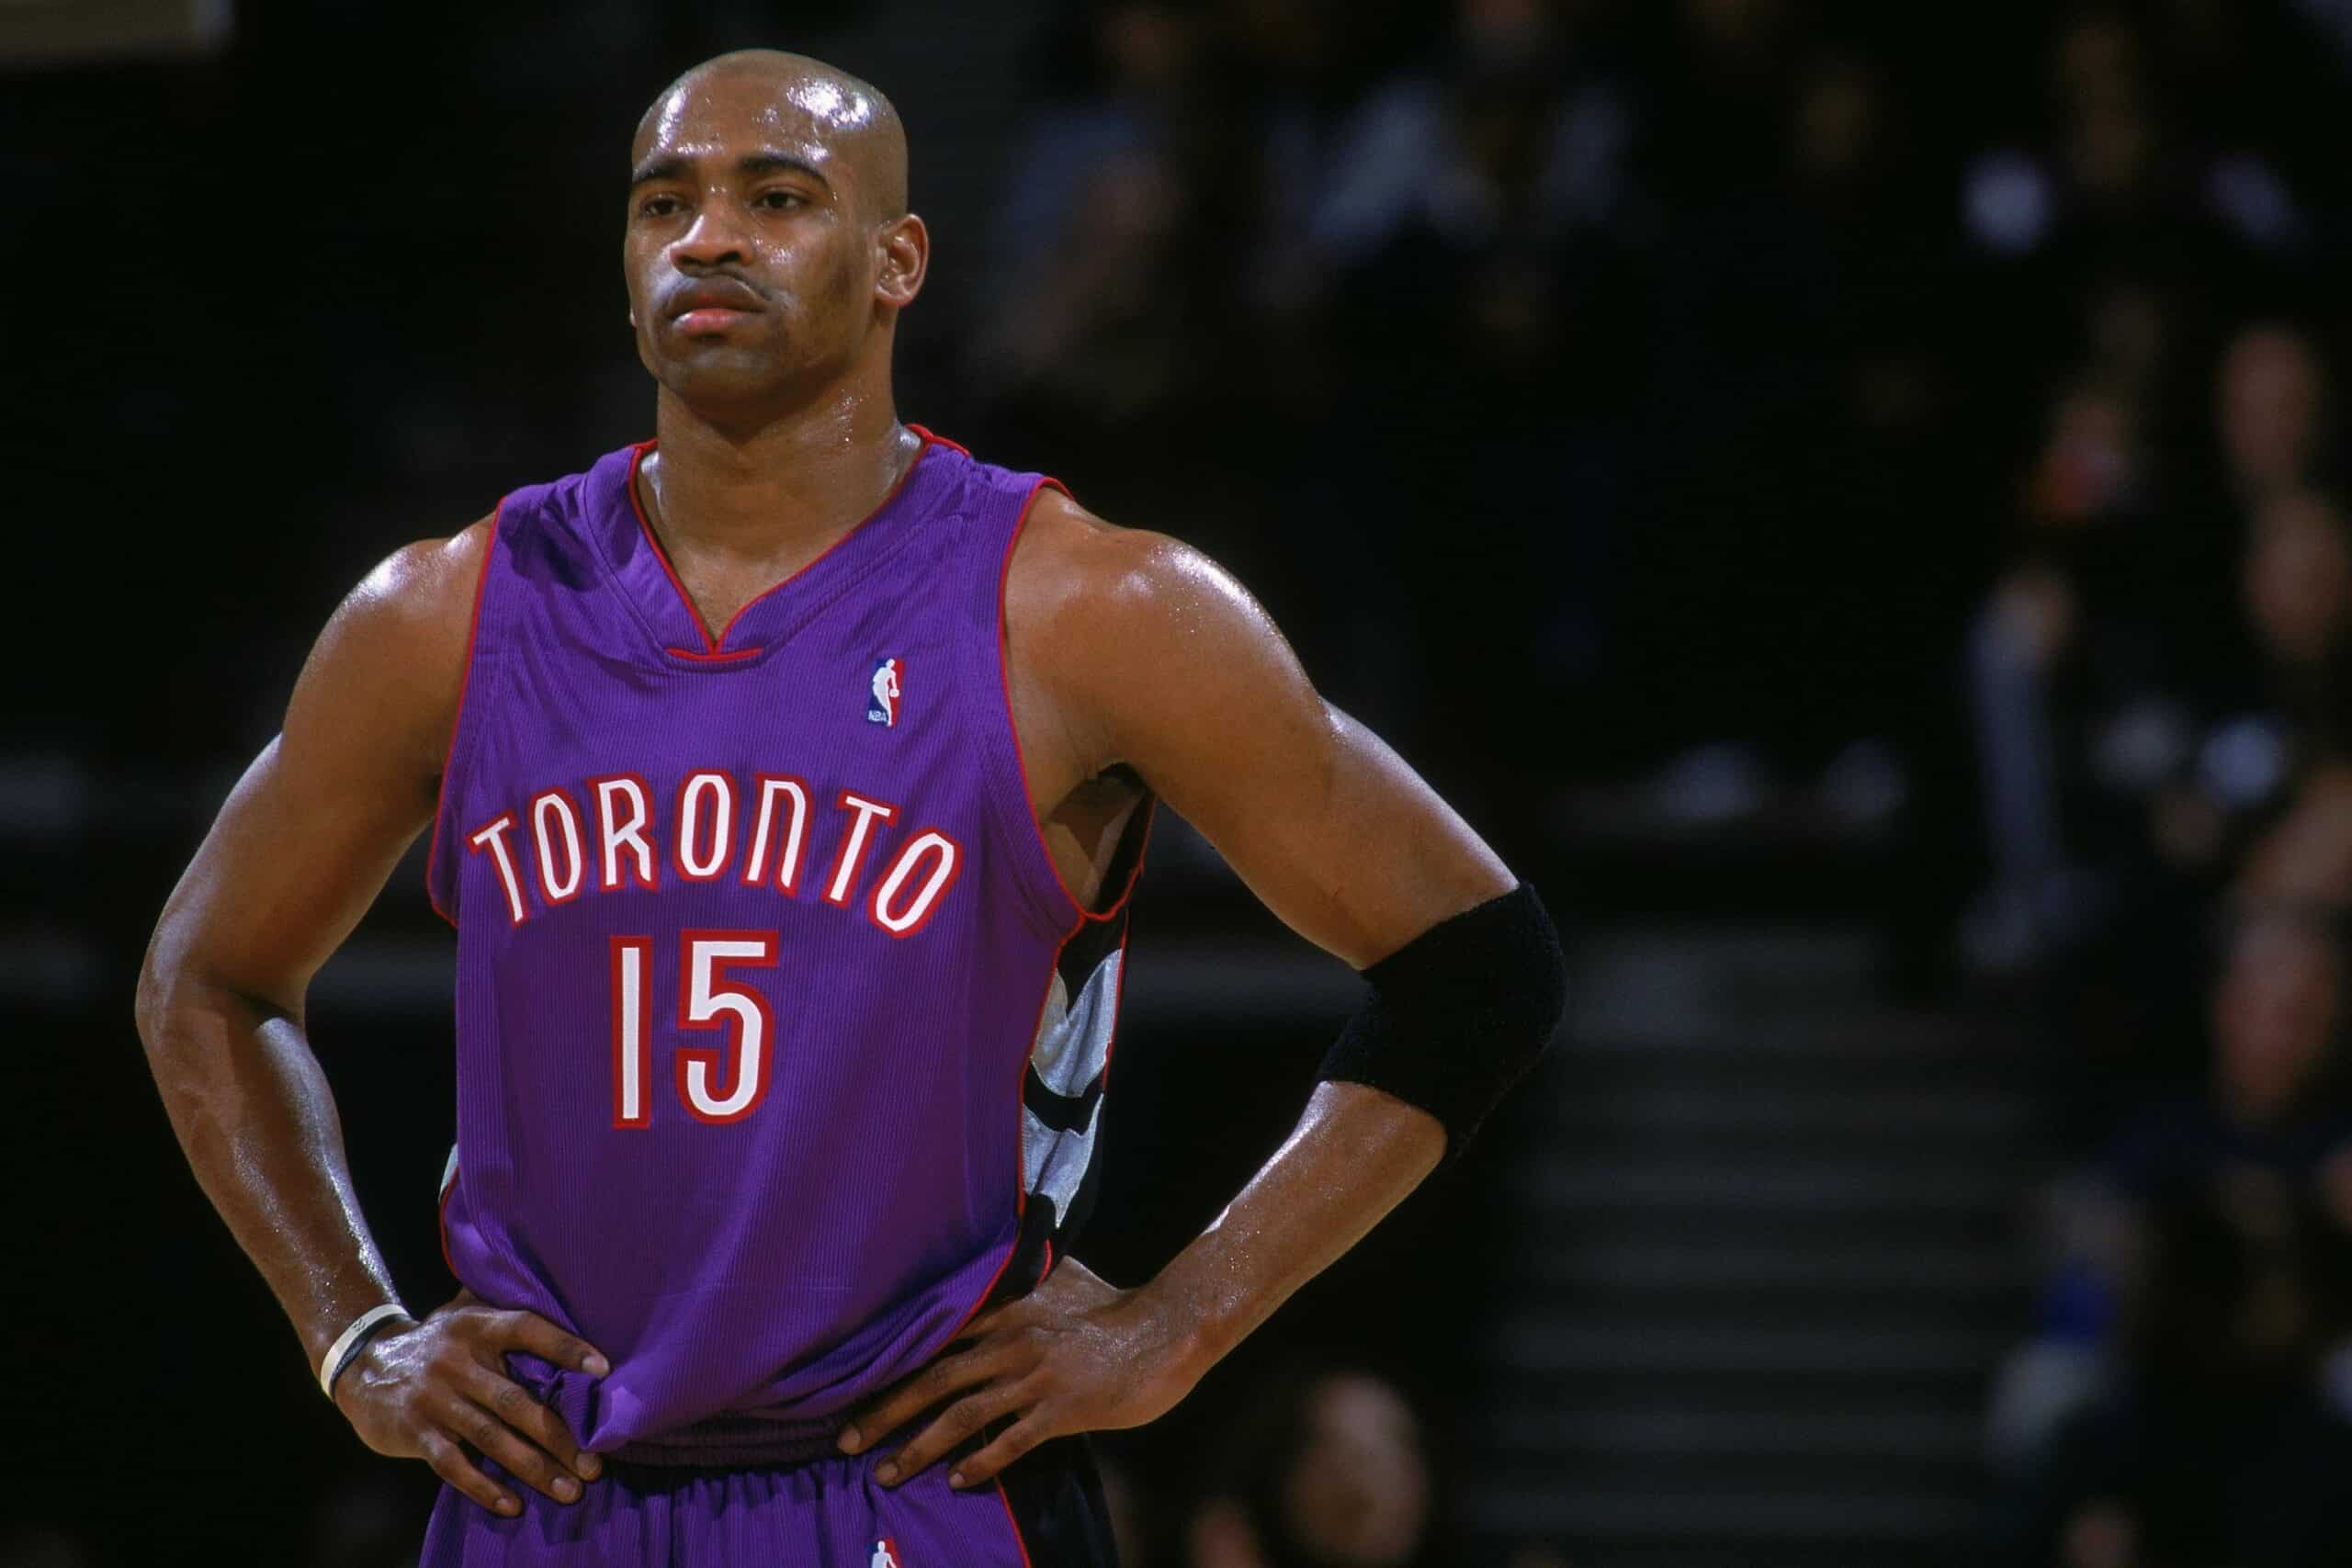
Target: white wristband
x: 332, y: 1361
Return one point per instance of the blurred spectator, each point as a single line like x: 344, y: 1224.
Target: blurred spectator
x: 2078, y: 718
x: 2182, y: 1405
x: 2307, y: 856
x: 2271, y: 408
x: 2110, y: 173
x: 2134, y: 168
x: 1325, y: 1471
x: 1795, y: 535
x: 2297, y: 588
x: 1514, y: 130
x: 2136, y: 725
x: 1088, y: 294
x: 1445, y: 257
x: 1127, y: 1508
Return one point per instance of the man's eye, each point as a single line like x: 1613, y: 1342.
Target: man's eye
x: 780, y: 199
x: 658, y: 206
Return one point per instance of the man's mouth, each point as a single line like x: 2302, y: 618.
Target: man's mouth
x: 710, y: 318
x: 713, y: 307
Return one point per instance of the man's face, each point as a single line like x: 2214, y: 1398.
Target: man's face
x: 2274, y: 1014
x: 1359, y: 1491
x: 2270, y: 395
x: 751, y: 256
x: 2297, y: 583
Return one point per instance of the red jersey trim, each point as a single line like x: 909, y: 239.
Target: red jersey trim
x: 441, y: 1223
x: 1003, y: 1497
x: 1028, y: 811
x: 457, y: 725
x: 712, y: 657
x: 926, y: 433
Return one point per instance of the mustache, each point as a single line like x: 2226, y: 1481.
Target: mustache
x: 723, y: 290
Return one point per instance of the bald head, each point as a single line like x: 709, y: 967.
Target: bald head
x: 768, y: 248
x: 845, y: 117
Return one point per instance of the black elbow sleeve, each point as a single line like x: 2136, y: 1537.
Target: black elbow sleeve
x: 1459, y: 1014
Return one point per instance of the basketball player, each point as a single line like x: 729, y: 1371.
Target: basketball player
x: 786, y: 775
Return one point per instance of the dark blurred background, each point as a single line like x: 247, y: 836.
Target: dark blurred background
x: 1849, y: 498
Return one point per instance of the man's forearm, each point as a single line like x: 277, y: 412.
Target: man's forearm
x: 1355, y: 1155
x: 256, y: 1119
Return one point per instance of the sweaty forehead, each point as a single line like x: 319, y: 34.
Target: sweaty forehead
x: 847, y: 131
x: 732, y: 106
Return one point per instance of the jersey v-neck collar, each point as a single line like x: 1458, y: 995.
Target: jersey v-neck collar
x: 642, y: 571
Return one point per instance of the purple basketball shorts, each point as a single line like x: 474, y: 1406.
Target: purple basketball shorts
x: 1044, y: 1511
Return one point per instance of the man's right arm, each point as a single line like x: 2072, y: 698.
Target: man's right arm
x: 300, y: 851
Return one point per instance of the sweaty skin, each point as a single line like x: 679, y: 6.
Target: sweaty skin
x: 768, y: 250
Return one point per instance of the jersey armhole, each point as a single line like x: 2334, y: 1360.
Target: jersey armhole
x: 1059, y: 911
x: 450, y: 762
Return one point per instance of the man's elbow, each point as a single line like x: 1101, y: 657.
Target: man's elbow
x: 160, y: 983
x: 1458, y: 1016
x: 178, y: 988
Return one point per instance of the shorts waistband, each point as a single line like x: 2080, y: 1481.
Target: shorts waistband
x: 735, y: 1443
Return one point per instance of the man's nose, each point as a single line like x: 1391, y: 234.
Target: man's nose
x: 715, y: 239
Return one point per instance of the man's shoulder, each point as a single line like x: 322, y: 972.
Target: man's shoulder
x: 424, y: 587
x: 1102, y: 614
x: 391, y: 663
x: 408, y: 626
x: 437, y: 579
x: 1071, y: 564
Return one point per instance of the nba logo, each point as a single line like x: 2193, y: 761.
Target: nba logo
x: 884, y: 708
x: 885, y: 1554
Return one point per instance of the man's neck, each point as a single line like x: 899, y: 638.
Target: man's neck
x: 789, y: 488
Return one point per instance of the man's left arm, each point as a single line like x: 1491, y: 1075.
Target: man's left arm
x: 1152, y: 657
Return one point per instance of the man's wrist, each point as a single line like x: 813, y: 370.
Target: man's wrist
x: 354, y: 1338
x: 1197, y: 1336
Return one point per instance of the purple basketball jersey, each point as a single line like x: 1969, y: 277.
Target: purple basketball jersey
x: 780, y: 1044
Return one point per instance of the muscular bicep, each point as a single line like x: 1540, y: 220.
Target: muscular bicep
x: 1339, y: 838
x: 1197, y: 690
x: 308, y: 837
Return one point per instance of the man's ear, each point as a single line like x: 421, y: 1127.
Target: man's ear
x: 905, y: 246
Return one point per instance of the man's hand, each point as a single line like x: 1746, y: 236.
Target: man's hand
x: 1074, y: 1355
x: 427, y: 1390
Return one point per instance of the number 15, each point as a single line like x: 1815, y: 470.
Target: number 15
x: 706, y: 1001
